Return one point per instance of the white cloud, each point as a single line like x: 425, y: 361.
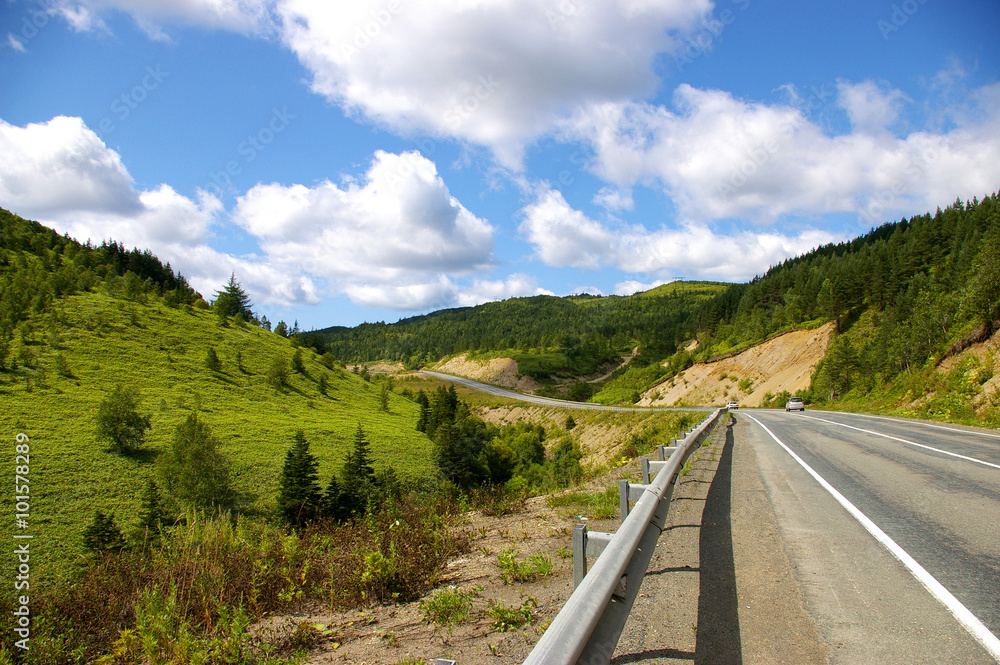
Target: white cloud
x: 563, y: 236
x: 442, y: 292
x: 515, y: 286
x: 52, y: 167
x: 393, y: 238
x: 60, y: 173
x: 494, y: 73
x: 631, y: 286
x: 245, y: 16
x: 15, y: 43
x: 611, y: 198
x: 719, y: 156
x: 401, y: 223
x: 870, y: 106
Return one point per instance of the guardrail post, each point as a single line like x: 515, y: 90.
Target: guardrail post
x: 579, y: 554
x: 644, y: 464
x: 622, y: 499
x: 586, y: 545
x: 628, y: 492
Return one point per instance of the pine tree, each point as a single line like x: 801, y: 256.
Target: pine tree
x: 357, y: 476
x: 333, y: 507
x: 298, y: 366
x: 277, y: 374
x: 359, y: 462
x: 299, y: 499
x: 231, y: 300
x: 152, y: 516
x: 423, y: 421
x: 383, y: 397
x: 103, y: 536
x: 212, y: 361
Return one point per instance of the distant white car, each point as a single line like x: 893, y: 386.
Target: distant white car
x: 795, y: 404
x: 733, y: 405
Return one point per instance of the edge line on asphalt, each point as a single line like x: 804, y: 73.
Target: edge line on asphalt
x: 969, y: 621
x: 910, y: 421
x: 912, y: 443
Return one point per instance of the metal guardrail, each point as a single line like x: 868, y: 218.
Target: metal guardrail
x: 588, y: 627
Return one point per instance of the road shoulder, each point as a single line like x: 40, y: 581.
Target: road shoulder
x: 774, y: 624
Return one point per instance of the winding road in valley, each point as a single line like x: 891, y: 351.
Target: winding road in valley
x: 551, y: 401
x: 890, y: 527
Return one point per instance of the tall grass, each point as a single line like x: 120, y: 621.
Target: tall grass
x: 212, y: 575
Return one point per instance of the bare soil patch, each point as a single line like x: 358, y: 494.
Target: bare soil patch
x: 496, y: 371
x: 785, y: 362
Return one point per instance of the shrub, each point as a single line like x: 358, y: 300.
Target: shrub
x: 192, y: 468
x: 119, y: 422
x: 535, y: 567
x: 511, y: 618
x: 207, y: 568
x: 497, y: 500
x: 447, y: 607
x: 277, y: 374
x: 600, y: 505
x: 212, y: 361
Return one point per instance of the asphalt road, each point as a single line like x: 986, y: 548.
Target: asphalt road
x: 903, y: 567
x: 891, y: 528
x: 549, y: 401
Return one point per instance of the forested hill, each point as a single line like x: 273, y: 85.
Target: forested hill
x: 916, y: 265
x: 904, y: 294
x: 37, y: 266
x: 598, y: 328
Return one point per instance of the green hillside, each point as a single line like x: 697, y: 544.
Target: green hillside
x: 549, y: 335
x: 65, y: 353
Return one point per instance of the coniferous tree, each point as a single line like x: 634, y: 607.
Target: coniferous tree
x: 299, y: 499
x: 333, y: 507
x: 383, y: 397
x: 152, y: 516
x: 103, y: 536
x: 232, y: 300
x: 298, y: 366
x: 212, y: 361
x: 425, y: 411
x: 277, y: 373
x: 357, y: 476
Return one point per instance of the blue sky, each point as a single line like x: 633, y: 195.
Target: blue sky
x: 367, y: 161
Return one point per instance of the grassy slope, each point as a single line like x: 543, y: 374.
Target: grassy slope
x: 161, y: 351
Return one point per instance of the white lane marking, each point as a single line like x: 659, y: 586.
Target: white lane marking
x: 968, y: 620
x: 912, y: 443
x: 923, y: 424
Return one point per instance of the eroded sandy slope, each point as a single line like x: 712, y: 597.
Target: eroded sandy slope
x: 496, y: 371
x: 785, y: 362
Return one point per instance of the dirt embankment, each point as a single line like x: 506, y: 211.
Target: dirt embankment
x: 496, y: 371
x: 785, y: 362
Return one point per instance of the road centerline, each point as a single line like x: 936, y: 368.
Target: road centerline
x: 912, y: 443
x: 965, y: 617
